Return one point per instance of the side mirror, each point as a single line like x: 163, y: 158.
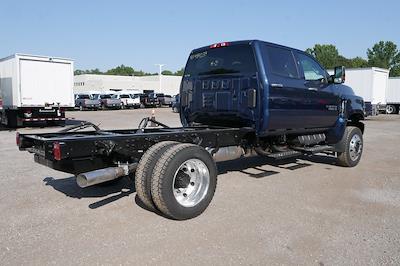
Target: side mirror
x: 340, y: 75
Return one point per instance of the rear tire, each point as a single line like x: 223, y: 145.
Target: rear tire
x: 145, y: 169
x: 391, y: 109
x: 353, y: 142
x: 184, y: 181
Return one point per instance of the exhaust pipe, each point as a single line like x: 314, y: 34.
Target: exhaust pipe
x: 103, y: 175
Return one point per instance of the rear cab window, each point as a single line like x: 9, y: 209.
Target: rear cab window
x: 234, y: 59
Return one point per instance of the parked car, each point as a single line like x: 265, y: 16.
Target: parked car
x: 108, y: 102
x: 175, y: 104
x: 86, y: 101
x: 148, y: 99
x: 127, y: 100
x: 164, y: 99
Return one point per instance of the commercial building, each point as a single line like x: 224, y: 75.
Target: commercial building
x: 91, y: 82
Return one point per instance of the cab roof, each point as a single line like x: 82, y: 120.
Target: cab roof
x: 249, y: 42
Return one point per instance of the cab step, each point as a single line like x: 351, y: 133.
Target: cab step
x: 284, y: 154
x: 313, y: 149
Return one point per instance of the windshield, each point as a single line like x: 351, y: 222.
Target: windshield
x: 106, y: 96
x: 124, y: 96
x: 236, y: 59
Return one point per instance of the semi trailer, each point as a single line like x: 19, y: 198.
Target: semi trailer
x: 237, y: 99
x: 35, y: 88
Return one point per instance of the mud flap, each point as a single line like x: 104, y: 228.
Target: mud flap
x: 335, y: 134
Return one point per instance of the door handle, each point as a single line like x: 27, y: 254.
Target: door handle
x: 312, y: 89
x: 276, y: 85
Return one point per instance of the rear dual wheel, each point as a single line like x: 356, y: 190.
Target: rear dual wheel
x: 180, y: 179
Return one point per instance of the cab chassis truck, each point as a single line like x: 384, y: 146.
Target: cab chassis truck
x: 238, y: 99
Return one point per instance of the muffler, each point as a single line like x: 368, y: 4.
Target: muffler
x: 103, y: 175
x: 226, y: 153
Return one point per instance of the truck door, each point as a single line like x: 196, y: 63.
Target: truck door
x: 294, y: 102
x: 287, y: 99
x: 323, y: 103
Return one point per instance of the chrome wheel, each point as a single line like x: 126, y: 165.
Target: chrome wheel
x: 355, y: 147
x: 191, y: 182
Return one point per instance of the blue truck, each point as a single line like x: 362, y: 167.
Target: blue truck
x: 237, y: 99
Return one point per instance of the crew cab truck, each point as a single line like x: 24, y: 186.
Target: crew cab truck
x: 127, y: 100
x: 85, y: 101
x: 238, y: 99
x: 107, y: 101
x: 35, y: 88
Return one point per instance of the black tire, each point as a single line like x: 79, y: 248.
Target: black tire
x: 391, y: 109
x: 164, y: 175
x: 344, y: 158
x: 145, y: 169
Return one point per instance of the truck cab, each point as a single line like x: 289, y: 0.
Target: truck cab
x: 269, y: 87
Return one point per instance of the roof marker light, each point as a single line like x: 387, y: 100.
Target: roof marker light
x: 218, y: 45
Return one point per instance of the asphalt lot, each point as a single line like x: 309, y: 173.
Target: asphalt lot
x: 303, y: 212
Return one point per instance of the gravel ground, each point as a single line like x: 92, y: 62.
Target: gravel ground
x: 304, y: 212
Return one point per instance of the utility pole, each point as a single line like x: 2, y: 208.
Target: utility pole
x: 159, y: 74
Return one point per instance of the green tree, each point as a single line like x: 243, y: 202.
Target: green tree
x: 179, y: 72
x: 385, y: 55
x: 79, y: 72
x: 121, y: 70
x: 358, y: 62
x: 326, y: 54
x: 167, y: 73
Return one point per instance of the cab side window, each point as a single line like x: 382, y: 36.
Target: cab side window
x: 281, y: 61
x: 312, y: 71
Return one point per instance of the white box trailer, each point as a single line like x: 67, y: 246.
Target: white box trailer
x: 393, y: 96
x: 35, y: 88
x: 369, y: 83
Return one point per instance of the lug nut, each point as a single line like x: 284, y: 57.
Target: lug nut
x: 192, y: 183
x: 192, y: 170
x: 185, y: 195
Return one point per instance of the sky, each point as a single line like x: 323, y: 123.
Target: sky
x: 104, y: 34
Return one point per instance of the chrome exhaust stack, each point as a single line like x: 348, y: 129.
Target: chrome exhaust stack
x: 103, y: 175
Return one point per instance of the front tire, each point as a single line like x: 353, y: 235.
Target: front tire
x: 184, y: 181
x: 353, y: 142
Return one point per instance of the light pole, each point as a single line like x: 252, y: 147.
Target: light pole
x: 159, y: 74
